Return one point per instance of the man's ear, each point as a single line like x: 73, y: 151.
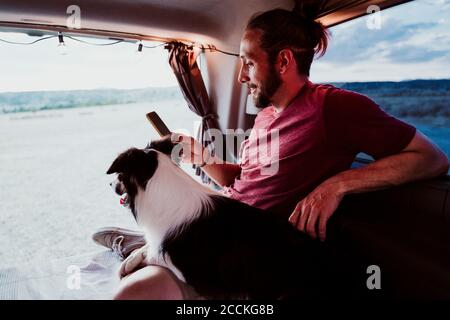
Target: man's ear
x: 285, y: 60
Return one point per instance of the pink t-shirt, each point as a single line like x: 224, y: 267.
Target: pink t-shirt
x: 318, y: 135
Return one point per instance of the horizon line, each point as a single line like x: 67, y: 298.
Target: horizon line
x: 176, y: 86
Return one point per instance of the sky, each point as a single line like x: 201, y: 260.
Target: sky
x: 413, y: 42
x: 41, y: 66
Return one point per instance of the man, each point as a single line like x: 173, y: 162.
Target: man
x: 321, y: 129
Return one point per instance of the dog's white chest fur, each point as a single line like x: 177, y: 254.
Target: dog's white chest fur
x: 171, y: 200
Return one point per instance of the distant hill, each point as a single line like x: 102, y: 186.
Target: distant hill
x: 401, y: 86
x: 12, y: 102
x: 426, y: 101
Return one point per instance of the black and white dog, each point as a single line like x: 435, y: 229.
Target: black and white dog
x: 221, y: 247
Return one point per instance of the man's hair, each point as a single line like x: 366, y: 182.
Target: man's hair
x: 295, y: 30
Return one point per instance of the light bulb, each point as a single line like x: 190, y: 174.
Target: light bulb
x: 140, y: 46
x: 61, y: 45
x: 139, y: 55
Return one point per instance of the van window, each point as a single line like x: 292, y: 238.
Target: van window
x: 63, y: 120
x: 400, y: 58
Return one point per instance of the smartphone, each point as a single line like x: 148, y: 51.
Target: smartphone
x: 158, y: 124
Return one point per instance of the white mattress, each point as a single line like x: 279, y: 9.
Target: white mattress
x: 91, y: 276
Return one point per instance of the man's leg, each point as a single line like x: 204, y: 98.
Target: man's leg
x: 154, y: 283
x: 151, y: 283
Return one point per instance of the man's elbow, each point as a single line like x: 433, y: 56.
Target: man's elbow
x: 440, y: 164
x: 431, y: 160
x: 445, y: 164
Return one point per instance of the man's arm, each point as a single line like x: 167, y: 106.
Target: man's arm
x: 222, y: 173
x: 421, y: 159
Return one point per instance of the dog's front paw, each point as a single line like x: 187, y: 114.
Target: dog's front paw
x: 136, y: 260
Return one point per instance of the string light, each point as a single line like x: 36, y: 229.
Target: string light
x: 158, y: 45
x: 63, y: 47
x: 27, y: 43
x: 95, y: 44
x: 61, y: 38
x: 214, y: 49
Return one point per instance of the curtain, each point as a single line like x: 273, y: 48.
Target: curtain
x: 182, y: 59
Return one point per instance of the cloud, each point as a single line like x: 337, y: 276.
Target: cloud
x: 357, y: 42
x: 413, y: 43
x: 409, y: 53
x: 442, y: 4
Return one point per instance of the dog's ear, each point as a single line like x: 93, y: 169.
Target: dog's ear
x: 136, y: 163
x: 126, y: 160
x: 164, y: 145
x: 117, y: 166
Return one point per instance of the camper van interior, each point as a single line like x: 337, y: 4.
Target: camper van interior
x: 190, y: 57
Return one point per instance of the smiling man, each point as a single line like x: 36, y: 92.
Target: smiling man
x: 321, y: 129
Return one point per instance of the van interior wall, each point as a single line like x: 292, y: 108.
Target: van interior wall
x: 227, y: 95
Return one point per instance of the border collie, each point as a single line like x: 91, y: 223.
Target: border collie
x: 223, y: 248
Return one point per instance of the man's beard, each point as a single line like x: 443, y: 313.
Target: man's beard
x: 267, y: 88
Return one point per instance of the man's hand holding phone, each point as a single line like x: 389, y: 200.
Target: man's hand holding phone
x: 192, y: 151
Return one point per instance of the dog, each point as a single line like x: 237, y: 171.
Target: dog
x: 223, y: 248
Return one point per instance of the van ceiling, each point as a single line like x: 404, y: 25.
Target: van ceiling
x: 207, y: 21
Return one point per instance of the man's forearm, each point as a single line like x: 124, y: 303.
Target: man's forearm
x: 387, y: 172
x: 222, y: 173
x: 421, y: 159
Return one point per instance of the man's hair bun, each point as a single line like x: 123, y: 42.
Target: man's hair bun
x: 307, y: 10
x: 296, y: 30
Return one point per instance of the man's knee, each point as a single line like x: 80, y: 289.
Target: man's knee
x: 151, y: 283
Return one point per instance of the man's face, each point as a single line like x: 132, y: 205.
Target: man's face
x: 256, y: 72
